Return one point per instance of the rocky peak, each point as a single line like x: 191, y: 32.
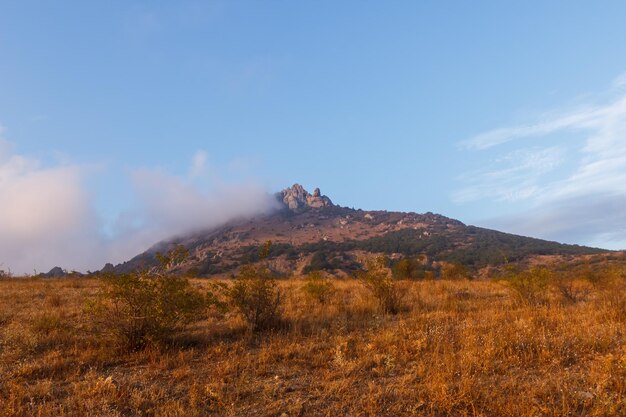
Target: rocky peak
x: 55, y: 272
x: 297, y: 198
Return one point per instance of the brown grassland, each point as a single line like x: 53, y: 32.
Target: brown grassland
x: 457, y: 347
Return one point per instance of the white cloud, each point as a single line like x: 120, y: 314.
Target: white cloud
x: 47, y: 216
x: 595, y: 165
x: 43, y: 211
x: 198, y: 163
x: 576, y: 120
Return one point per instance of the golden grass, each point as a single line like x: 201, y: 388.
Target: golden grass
x: 461, y: 348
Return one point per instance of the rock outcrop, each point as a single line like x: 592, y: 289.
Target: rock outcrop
x: 297, y: 198
x: 55, y: 272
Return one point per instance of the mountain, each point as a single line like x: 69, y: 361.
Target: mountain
x: 309, y: 232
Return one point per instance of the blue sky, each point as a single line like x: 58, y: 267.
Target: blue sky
x: 123, y: 122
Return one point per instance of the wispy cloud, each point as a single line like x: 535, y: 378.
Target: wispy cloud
x: 198, y: 163
x: 48, y: 216
x: 170, y: 205
x: 580, y: 119
x: 588, y: 160
x: 510, y: 177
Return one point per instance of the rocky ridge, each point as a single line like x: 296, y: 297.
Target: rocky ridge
x: 309, y: 232
x: 297, y: 198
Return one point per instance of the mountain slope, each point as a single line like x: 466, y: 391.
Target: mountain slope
x: 310, y: 232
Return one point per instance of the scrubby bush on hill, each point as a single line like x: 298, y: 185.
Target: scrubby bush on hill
x: 325, y: 259
x: 146, y: 308
x: 530, y: 285
x: 408, y: 268
x: 378, y: 280
x: 255, y: 294
x: 454, y: 271
x: 251, y: 253
x: 317, y: 287
x: 4, y: 274
x: 571, y: 288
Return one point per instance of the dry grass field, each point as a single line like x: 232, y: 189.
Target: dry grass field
x: 460, y: 348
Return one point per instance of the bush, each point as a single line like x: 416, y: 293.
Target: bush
x: 326, y: 260
x: 454, y: 271
x: 4, y: 274
x: 146, y: 308
x: 256, y: 296
x: 530, y: 285
x: 173, y: 257
x: 141, y: 309
x: 603, y: 277
x: 572, y: 290
x: 408, y: 268
x: 318, y: 288
x: 378, y: 280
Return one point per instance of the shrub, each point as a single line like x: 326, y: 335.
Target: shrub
x: 454, y: 271
x: 327, y: 260
x: 611, y: 283
x: 317, y: 287
x: 605, y: 277
x: 530, y: 285
x: 5, y: 274
x: 173, y: 257
x: 146, y: 308
x: 378, y: 280
x: 408, y: 268
x: 256, y: 296
x: 571, y: 289
x: 142, y: 309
